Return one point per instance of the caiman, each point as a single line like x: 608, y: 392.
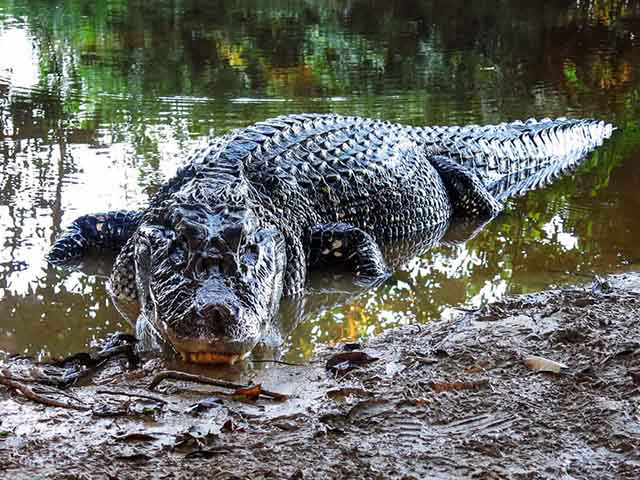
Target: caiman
x: 243, y: 220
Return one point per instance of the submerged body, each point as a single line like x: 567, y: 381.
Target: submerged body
x: 207, y: 262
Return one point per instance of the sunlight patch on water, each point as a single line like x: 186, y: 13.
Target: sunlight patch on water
x: 21, y: 67
x: 27, y: 258
x: 556, y: 233
x: 492, y: 290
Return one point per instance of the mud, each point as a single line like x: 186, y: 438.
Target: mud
x: 459, y: 398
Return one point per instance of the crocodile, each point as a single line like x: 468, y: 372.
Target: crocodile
x: 245, y: 218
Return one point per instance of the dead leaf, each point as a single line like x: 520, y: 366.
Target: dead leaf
x: 196, y: 435
x: 249, y: 393
x: 204, y: 405
x: 342, y: 393
x: 134, y: 457
x: 347, y: 361
x: 286, y: 426
x: 369, y: 409
x: 135, y: 437
x: 541, y: 364
x: 209, y: 452
x: 426, y: 360
x: 440, y: 387
x: 228, y: 426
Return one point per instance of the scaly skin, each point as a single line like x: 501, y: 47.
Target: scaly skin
x: 207, y: 262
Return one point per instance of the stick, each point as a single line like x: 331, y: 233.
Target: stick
x: 31, y: 395
x: 174, y: 375
x: 134, y: 395
x: 279, y: 362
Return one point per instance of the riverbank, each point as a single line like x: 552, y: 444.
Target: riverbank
x: 545, y: 385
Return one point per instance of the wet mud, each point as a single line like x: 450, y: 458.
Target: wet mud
x: 544, y: 385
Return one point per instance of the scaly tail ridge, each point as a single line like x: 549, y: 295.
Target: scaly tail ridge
x: 511, y: 158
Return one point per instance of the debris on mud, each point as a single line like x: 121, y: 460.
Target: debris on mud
x: 541, y: 364
x: 543, y: 385
x: 342, y: 363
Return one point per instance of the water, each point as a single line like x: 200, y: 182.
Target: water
x: 99, y: 100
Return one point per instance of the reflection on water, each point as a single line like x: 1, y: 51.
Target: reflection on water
x: 99, y: 100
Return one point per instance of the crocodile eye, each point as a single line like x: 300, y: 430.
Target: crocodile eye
x: 143, y: 248
x: 233, y: 237
x: 177, y: 255
x: 250, y: 256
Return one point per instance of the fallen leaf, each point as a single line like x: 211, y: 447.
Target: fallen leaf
x: 134, y: 457
x: 343, y: 393
x: 204, y: 405
x: 209, y: 453
x: 440, y: 387
x: 197, y: 435
x: 369, y: 409
x: 426, y: 360
x: 286, y: 426
x: 249, y: 393
x: 541, y: 364
x: 345, y: 362
x: 228, y: 426
x: 135, y: 437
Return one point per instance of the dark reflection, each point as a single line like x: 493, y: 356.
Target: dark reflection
x: 98, y: 99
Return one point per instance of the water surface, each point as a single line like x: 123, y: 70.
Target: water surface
x: 100, y: 100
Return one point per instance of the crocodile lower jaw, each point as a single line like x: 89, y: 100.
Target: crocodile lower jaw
x: 211, y: 357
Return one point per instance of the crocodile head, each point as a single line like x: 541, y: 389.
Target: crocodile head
x: 209, y: 280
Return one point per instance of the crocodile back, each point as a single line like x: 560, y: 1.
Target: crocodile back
x: 329, y: 168
x: 317, y: 168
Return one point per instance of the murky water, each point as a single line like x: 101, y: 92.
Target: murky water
x: 99, y: 100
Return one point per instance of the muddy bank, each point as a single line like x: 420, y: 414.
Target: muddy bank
x: 456, y: 398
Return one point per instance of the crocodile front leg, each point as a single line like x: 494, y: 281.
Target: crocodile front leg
x: 108, y: 231
x: 345, y: 245
x: 122, y: 283
x: 296, y: 271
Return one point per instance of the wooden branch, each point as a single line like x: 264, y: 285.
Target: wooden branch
x: 133, y: 395
x: 187, y: 377
x: 31, y: 395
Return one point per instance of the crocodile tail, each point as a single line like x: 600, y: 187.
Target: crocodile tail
x: 512, y: 158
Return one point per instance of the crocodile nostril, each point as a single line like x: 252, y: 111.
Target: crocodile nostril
x: 217, y: 313
x: 200, y: 267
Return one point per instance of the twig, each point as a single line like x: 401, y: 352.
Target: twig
x: 135, y: 395
x: 7, y: 374
x: 174, y: 375
x: 58, y: 392
x: 31, y: 395
x: 279, y: 362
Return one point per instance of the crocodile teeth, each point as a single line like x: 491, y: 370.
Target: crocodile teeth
x: 210, y: 357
